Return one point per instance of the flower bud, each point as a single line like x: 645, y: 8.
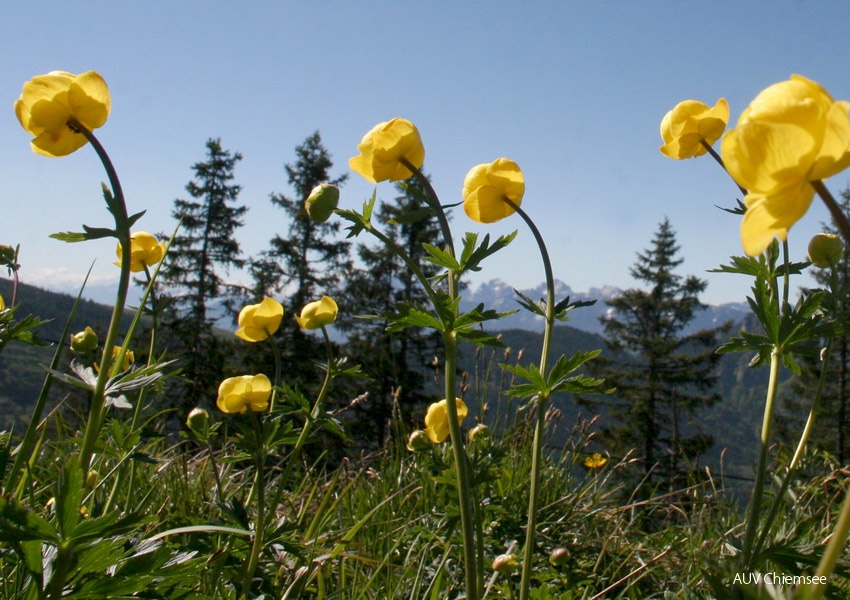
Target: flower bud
x: 505, y: 564
x: 198, y: 421
x: 2, y: 304
x: 479, y: 433
x: 825, y: 250
x: 322, y: 201
x: 92, y: 478
x: 418, y: 441
x: 84, y: 341
x: 559, y: 557
x: 7, y: 255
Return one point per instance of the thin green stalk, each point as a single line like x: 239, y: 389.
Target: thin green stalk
x: 118, y: 209
x: 260, y: 519
x: 719, y: 160
x: 833, y: 552
x: 764, y: 444
x: 834, y: 210
x: 540, y: 417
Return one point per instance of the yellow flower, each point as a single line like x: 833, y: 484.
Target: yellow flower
x: 48, y: 103
x: 487, y: 186
x: 690, y: 123
x: 382, y: 149
x: 791, y: 134
x: 238, y: 394
x: 437, y: 419
x: 595, y: 461
x: 145, y: 251
x: 129, y: 357
x: 258, y: 321
x: 84, y: 341
x: 2, y: 304
x: 318, y: 314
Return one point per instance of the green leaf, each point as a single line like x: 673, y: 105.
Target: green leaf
x: 441, y: 258
x: 472, y: 255
x: 69, y: 236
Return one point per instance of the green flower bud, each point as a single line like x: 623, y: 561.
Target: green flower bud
x: 825, y: 250
x: 92, y: 478
x: 505, y: 564
x: 479, y: 433
x: 84, y: 341
x: 418, y: 441
x: 559, y: 557
x: 198, y: 422
x: 321, y: 202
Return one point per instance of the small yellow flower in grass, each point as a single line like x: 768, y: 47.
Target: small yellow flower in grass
x: 145, y: 251
x: 791, y: 134
x: 238, y: 394
x: 48, y: 103
x: 84, y: 341
x: 689, y: 124
x: 318, y: 314
x: 2, y: 304
x: 92, y: 477
x: 825, y: 250
x: 437, y: 419
x: 595, y: 461
x: 486, y: 188
x: 259, y: 321
x: 382, y: 149
x: 129, y: 357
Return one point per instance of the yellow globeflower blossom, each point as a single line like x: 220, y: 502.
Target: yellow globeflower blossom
x: 258, y: 321
x: 49, y: 103
x: 318, y: 314
x: 145, y: 251
x: 129, y: 357
x: 791, y: 134
x: 486, y: 188
x: 238, y: 394
x: 689, y: 124
x: 595, y: 461
x: 382, y: 149
x: 437, y: 419
x: 84, y: 341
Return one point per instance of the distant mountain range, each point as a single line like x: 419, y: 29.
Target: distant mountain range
x: 500, y: 296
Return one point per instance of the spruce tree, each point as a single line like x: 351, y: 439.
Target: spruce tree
x: 394, y: 361
x: 305, y: 264
x: 205, y: 245
x: 662, y: 376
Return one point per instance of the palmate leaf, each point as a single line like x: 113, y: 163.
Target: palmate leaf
x: 441, y: 258
x: 407, y: 315
x: 359, y: 221
x: 19, y: 524
x: 473, y: 253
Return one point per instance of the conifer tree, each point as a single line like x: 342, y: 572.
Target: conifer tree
x: 305, y: 264
x: 393, y: 360
x: 662, y: 376
x: 204, y: 245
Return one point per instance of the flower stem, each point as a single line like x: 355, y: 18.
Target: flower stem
x: 764, y: 441
x: 461, y: 461
x: 719, y: 160
x: 118, y: 208
x: 834, y: 210
x: 260, y: 519
x: 539, y: 420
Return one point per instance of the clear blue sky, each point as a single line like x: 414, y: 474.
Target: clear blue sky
x: 573, y: 91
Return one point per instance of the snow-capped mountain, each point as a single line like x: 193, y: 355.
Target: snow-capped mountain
x: 500, y: 296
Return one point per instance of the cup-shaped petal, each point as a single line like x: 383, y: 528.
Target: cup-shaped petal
x: 238, y: 394
x: 437, y: 419
x: 318, y: 314
x: 49, y: 103
x: 487, y: 186
x: 383, y: 148
x: 145, y: 251
x: 258, y: 321
x: 689, y: 124
x: 791, y: 134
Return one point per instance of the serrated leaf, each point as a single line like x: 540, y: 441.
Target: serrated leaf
x: 412, y: 216
x: 441, y: 258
